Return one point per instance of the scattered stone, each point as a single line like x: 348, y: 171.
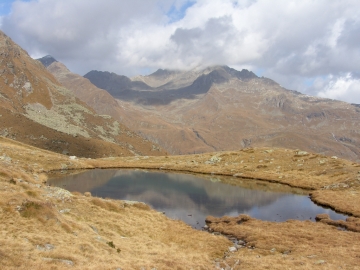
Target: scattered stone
x: 68, y: 262
x: 334, y: 157
x: 6, y: 158
x: 273, y: 250
x: 237, y: 174
x: 269, y: 151
x: 72, y: 157
x: 64, y: 211
x: 241, y: 242
x: 64, y: 166
x: 232, y: 249
x: 301, y: 153
x: 336, y: 185
x: 320, y: 262
x: 87, y: 194
x: 232, y: 239
x: 59, y: 193
x: 45, y: 247
x: 322, y: 162
x: 213, y: 160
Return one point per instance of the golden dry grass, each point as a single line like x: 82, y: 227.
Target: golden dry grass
x: 49, y: 228
x: 86, y: 232
x: 291, y: 244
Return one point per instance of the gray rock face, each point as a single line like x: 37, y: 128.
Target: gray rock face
x: 47, y: 60
x: 116, y: 85
x: 28, y: 88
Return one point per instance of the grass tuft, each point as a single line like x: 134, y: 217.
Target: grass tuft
x: 12, y: 181
x: 39, y: 210
x: 32, y: 193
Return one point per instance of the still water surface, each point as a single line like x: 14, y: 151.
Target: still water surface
x: 192, y: 197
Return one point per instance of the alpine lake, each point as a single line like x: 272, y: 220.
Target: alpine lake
x: 192, y: 198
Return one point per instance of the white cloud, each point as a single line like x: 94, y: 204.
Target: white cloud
x: 345, y: 88
x: 290, y: 41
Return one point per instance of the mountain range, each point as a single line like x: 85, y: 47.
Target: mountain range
x: 217, y: 108
x: 220, y: 108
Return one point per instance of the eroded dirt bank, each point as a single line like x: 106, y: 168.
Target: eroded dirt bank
x: 49, y: 228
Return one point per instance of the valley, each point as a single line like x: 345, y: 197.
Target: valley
x: 215, y: 121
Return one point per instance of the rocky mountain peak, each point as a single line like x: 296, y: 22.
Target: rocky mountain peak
x: 47, y: 60
x: 163, y: 73
x: 244, y: 74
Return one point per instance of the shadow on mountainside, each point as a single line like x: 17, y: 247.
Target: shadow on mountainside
x: 123, y: 88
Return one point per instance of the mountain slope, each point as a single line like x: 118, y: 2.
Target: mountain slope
x: 100, y: 100
x: 115, y: 84
x: 38, y: 110
x: 219, y: 108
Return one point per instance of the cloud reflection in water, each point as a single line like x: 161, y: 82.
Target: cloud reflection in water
x: 191, y: 198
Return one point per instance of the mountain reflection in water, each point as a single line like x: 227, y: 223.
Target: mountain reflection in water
x: 191, y: 198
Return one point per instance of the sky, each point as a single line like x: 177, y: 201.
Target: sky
x: 312, y: 46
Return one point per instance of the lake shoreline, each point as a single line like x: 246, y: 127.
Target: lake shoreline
x: 87, y: 232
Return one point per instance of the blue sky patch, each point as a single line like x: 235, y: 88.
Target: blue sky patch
x: 5, y: 7
x: 176, y: 14
x: 309, y: 81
